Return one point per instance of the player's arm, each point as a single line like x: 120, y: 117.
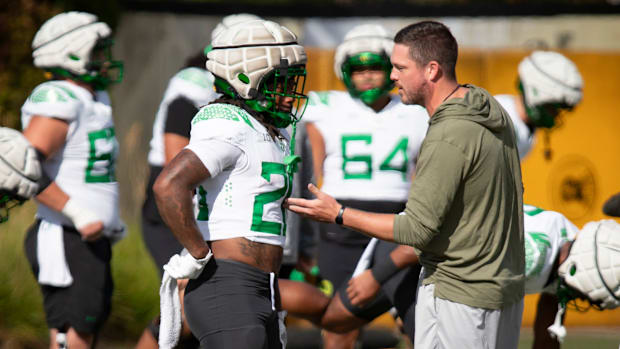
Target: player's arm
x: 47, y: 136
x: 545, y: 315
x: 364, y: 287
x: 317, y: 144
x: 177, y: 127
x: 173, y: 194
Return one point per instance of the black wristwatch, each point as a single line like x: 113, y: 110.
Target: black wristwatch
x: 338, y: 219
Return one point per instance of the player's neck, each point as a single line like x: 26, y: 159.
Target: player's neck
x: 380, y: 103
x: 84, y: 85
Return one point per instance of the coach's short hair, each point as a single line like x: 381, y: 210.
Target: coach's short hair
x: 430, y: 41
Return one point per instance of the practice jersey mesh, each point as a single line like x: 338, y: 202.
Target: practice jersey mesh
x: 196, y: 85
x: 545, y: 233
x: 84, y: 167
x: 369, y: 155
x: 245, y: 199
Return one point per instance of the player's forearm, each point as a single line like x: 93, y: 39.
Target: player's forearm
x: 404, y: 256
x: 174, y: 202
x: 53, y: 197
x: 378, y: 225
x: 173, y: 194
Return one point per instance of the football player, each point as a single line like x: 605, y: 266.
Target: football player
x: 68, y: 121
x: 240, y: 165
x: 549, y: 84
x: 365, y: 143
x: 562, y: 264
x: 19, y: 171
x: 188, y: 90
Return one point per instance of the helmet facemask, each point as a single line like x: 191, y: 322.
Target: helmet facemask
x: 370, y: 61
x: 7, y: 202
x: 545, y: 115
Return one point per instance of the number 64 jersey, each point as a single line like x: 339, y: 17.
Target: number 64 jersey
x: 368, y: 155
x: 248, y: 184
x: 84, y: 167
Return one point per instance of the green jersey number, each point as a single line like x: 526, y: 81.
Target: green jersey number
x: 258, y: 224
x: 386, y: 165
x: 104, y: 172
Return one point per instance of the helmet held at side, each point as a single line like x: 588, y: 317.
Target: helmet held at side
x: 549, y: 82
x: 592, y: 267
x: 365, y: 46
x: 19, y: 171
x: 76, y: 46
x: 260, y: 62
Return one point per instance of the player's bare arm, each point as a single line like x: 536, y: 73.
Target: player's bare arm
x: 364, y: 287
x: 325, y: 208
x: 545, y: 315
x: 173, y: 144
x: 47, y: 136
x: 173, y: 194
x: 318, y: 151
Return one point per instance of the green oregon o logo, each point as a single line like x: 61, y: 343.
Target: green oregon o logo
x: 573, y: 186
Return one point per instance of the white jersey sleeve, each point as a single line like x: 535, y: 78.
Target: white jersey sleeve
x: 523, y: 135
x: 193, y: 84
x: 245, y: 198
x: 368, y: 155
x: 85, y: 166
x: 52, y: 99
x: 545, y: 233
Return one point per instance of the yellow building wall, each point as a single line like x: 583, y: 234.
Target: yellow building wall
x: 584, y: 168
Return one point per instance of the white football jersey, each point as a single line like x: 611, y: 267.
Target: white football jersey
x: 84, y: 167
x: 368, y: 155
x: 192, y: 83
x: 244, y: 197
x: 545, y: 233
x: 525, y: 138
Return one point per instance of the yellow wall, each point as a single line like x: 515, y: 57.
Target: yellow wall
x: 584, y: 168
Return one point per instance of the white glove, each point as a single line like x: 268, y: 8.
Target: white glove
x: 79, y: 215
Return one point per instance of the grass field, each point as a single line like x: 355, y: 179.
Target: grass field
x: 135, y: 302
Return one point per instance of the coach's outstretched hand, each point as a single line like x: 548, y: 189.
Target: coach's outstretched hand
x: 323, y: 209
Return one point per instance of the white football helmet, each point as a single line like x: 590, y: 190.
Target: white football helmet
x: 256, y: 61
x: 593, y: 264
x: 19, y: 170
x: 231, y: 20
x: 365, y: 45
x: 63, y: 45
x: 548, y: 79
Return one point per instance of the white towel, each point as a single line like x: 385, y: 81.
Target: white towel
x: 366, y: 258
x: 557, y: 330
x: 53, y: 268
x: 182, y: 266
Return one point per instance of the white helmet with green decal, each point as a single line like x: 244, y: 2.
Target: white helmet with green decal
x: 258, y: 62
x: 592, y: 267
x: 65, y: 44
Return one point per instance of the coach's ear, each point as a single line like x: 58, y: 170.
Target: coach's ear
x: 433, y: 71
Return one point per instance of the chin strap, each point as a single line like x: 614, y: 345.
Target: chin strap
x: 557, y: 330
x: 292, y: 160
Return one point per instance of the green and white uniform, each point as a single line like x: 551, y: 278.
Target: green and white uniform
x: 193, y: 84
x: 84, y: 167
x: 368, y: 155
x: 523, y: 134
x: 545, y: 233
x: 248, y: 183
